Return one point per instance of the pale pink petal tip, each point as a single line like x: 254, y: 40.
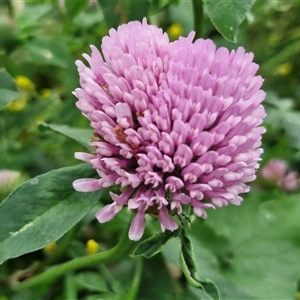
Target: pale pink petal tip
x: 137, y: 227
x: 108, y: 212
x: 86, y: 185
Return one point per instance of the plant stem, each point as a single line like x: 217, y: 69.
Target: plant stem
x: 133, y: 290
x: 198, y: 17
x: 70, y: 287
x: 112, y: 254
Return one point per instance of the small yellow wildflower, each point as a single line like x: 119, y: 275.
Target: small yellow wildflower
x: 17, y: 105
x: 25, y: 83
x: 175, y: 31
x: 284, y: 69
x: 38, y: 120
x: 92, y: 247
x: 45, y: 93
x: 51, y: 248
x: 26, y: 88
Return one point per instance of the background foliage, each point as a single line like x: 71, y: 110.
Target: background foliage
x: 250, y: 252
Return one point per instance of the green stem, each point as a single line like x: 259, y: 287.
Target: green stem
x: 112, y: 254
x: 37, y: 266
x: 198, y: 17
x: 133, y: 290
x: 70, y: 287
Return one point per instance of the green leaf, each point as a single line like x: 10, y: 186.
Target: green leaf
x: 42, y: 209
x: 31, y: 17
x: 189, y: 269
x: 48, y: 51
x: 264, y: 239
x: 156, y: 282
x: 228, y: 15
x: 117, y: 12
x: 91, y: 281
x: 154, y: 244
x: 81, y: 135
x: 8, y: 89
x: 75, y: 7
x: 86, y: 19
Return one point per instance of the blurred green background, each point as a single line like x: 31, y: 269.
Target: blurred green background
x: 251, y: 251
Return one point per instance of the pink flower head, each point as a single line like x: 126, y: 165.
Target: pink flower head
x: 176, y: 123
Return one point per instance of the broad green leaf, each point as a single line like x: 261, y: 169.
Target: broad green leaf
x: 117, y: 12
x: 91, y: 281
x: 75, y: 7
x: 189, y: 269
x: 87, y: 19
x: 8, y: 89
x: 42, y: 209
x: 156, y: 282
x: 228, y: 15
x: 154, y: 244
x: 31, y: 17
x: 81, y: 135
x: 48, y: 51
x: 264, y: 240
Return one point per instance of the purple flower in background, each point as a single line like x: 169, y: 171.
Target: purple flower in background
x: 175, y: 124
x: 276, y: 172
x: 9, y: 180
x: 8, y: 177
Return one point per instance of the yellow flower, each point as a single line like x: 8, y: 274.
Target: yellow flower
x: 45, y: 93
x: 175, y: 31
x: 51, y: 248
x: 38, y: 120
x: 92, y: 247
x: 284, y: 69
x: 25, y: 83
x: 26, y: 88
x: 17, y: 105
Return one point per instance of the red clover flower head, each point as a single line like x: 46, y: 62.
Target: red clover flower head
x: 176, y: 123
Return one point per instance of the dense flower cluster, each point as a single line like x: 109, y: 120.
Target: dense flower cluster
x: 174, y: 123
